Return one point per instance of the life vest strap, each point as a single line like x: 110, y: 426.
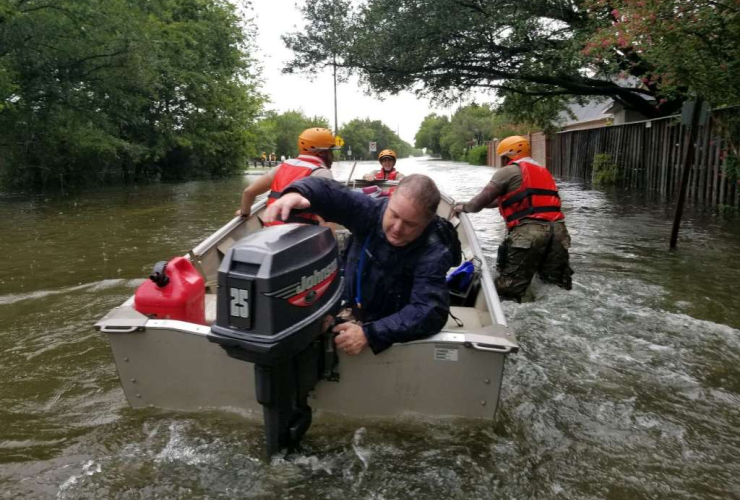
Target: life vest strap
x: 527, y: 193
x: 531, y: 211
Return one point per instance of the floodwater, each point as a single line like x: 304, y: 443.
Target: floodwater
x: 627, y: 387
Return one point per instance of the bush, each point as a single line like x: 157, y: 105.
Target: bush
x: 731, y: 168
x: 727, y: 209
x: 478, y: 155
x: 605, y: 171
x: 457, y: 152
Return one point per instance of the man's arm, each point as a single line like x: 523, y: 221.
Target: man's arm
x: 258, y: 187
x: 428, y: 306
x: 494, y: 203
x: 487, y: 198
x: 334, y: 202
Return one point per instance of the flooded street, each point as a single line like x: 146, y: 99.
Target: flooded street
x: 627, y: 387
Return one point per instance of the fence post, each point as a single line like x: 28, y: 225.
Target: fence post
x: 688, y: 160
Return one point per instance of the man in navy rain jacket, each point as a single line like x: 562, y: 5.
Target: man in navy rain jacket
x: 396, y: 265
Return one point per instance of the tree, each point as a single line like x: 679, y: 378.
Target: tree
x: 533, y: 54
x: 358, y: 133
x: 123, y: 90
x: 331, y: 17
x: 504, y: 126
x: 286, y: 127
x: 430, y: 132
x: 471, y: 125
x: 324, y: 46
x: 690, y: 47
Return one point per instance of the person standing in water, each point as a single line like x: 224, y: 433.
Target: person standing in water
x: 528, y: 200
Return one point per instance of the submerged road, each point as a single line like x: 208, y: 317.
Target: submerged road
x: 627, y: 387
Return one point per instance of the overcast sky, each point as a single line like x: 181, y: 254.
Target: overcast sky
x: 402, y: 113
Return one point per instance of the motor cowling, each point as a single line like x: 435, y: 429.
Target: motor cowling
x: 275, y: 288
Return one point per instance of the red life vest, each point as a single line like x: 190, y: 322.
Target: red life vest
x: 536, y: 198
x: 288, y: 172
x: 380, y: 176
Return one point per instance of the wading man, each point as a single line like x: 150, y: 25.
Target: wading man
x: 396, y: 264
x: 537, y: 240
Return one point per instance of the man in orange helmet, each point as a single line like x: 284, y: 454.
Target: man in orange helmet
x: 315, y: 157
x: 528, y: 200
x: 387, y: 159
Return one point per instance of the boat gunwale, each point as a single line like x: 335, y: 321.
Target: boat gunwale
x: 497, y: 339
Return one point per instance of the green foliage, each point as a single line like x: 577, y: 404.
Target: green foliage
x: 331, y: 31
x: 357, y: 135
x: 731, y: 168
x: 728, y: 209
x: 453, y: 144
x: 521, y: 116
x: 123, y: 90
x: 677, y: 47
x: 478, y: 155
x: 471, y: 125
x: 278, y: 132
x: 727, y: 123
x: 605, y: 171
x: 430, y: 133
x: 537, y: 56
x: 504, y: 126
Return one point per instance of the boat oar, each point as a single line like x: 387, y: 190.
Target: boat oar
x: 350, y: 174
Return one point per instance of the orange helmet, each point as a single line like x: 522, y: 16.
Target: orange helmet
x: 312, y: 140
x: 514, y: 147
x: 387, y: 153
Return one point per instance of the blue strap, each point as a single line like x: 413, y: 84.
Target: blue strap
x: 358, y: 274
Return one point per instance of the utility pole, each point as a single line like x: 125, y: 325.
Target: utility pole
x: 688, y: 160
x: 336, y: 120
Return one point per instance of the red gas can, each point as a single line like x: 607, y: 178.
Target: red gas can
x: 175, y: 290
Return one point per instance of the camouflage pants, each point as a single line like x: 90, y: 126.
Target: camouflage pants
x: 529, y: 248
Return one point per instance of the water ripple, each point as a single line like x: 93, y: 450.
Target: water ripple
x: 625, y: 387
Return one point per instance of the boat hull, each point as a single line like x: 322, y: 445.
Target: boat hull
x: 457, y: 372
x: 174, y: 365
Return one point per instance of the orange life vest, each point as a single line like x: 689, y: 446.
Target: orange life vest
x: 536, y: 198
x: 288, y: 172
x: 380, y: 176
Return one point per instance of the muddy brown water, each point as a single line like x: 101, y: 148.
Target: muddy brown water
x: 627, y: 387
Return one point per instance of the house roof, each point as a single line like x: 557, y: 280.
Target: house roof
x: 598, y: 108
x: 593, y: 110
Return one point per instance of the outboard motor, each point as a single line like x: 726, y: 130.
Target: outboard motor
x: 275, y: 287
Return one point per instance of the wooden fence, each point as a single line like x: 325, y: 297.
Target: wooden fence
x: 649, y: 155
